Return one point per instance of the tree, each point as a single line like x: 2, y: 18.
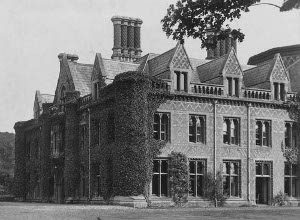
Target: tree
x: 193, y: 18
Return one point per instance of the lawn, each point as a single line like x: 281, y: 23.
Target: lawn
x: 32, y: 211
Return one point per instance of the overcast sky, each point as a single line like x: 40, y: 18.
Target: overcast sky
x: 34, y: 32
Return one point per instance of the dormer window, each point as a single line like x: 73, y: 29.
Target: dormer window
x: 233, y: 86
x: 96, y: 90
x: 279, y: 91
x: 181, y: 83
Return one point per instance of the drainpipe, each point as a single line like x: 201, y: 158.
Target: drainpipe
x: 248, y: 152
x: 89, y: 153
x: 215, y: 138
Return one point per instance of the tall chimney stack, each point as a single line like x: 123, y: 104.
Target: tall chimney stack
x: 127, y: 38
x: 223, y: 46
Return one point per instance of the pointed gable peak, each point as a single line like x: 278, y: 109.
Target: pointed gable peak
x: 278, y: 71
x: 98, y: 68
x: 180, y: 58
x: 231, y: 64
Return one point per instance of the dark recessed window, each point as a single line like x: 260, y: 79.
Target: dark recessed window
x: 231, y: 178
x: 161, y: 126
x: 197, y: 128
x: 197, y: 170
x: 231, y: 131
x: 263, y: 133
x: 160, y: 177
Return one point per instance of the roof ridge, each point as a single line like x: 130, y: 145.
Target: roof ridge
x: 118, y: 61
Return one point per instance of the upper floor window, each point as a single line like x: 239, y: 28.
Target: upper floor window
x: 263, y: 132
x: 197, y: 170
x: 279, y: 91
x: 181, y: 83
x: 56, y: 140
x: 161, y: 126
x: 290, y: 134
x: 231, y: 178
x: 233, y: 86
x: 96, y: 90
x: 160, y: 177
x: 290, y: 180
x: 231, y: 131
x: 197, y: 128
x: 83, y: 132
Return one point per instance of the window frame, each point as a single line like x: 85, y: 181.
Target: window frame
x: 238, y: 175
x: 181, y: 84
x: 196, y: 174
x: 236, y: 130
x: 159, y: 174
x: 290, y: 177
x: 194, y: 134
x: 265, y: 132
x: 158, y: 134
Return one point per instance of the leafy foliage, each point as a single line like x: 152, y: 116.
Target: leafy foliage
x: 179, y: 177
x: 280, y: 199
x: 192, y: 18
x: 213, y: 188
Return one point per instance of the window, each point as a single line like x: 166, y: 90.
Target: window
x: 290, y: 179
x: 276, y: 92
x: 263, y: 133
x: 96, y: 90
x: 161, y: 126
x: 160, y: 177
x: 233, y: 86
x: 263, y: 169
x: 181, y: 83
x: 197, y: 128
x: 290, y: 134
x: 282, y: 91
x: 197, y: 170
x: 56, y: 140
x: 231, y: 131
x: 231, y: 178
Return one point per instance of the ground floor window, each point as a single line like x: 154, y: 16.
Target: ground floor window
x: 197, y: 170
x: 263, y: 182
x: 290, y: 179
x: 231, y: 178
x: 160, y: 177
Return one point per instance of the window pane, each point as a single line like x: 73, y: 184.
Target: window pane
x: 156, y: 126
x: 192, y: 127
x: 235, y: 168
x: 258, y: 169
x: 164, y: 184
x: 164, y: 166
x: 266, y: 170
x: 234, y: 186
x: 229, y: 86
x: 199, y: 185
x: 156, y: 166
x: 226, y: 185
x: 258, y: 132
x: 287, y: 170
x: 155, y: 184
x: 200, y: 167
x: 287, y: 135
x: 226, y: 127
x: 266, y: 134
x: 294, y: 187
x: 192, y: 185
x: 294, y: 169
x: 192, y: 167
x: 287, y: 185
x: 178, y: 81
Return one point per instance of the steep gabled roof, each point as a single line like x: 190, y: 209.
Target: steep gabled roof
x: 212, y: 69
x: 261, y: 75
x: 114, y: 67
x: 161, y: 63
x: 81, y: 76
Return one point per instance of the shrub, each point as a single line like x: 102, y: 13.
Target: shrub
x: 280, y: 199
x: 179, y: 178
x: 213, y: 189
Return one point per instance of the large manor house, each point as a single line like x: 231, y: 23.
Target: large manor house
x: 226, y: 117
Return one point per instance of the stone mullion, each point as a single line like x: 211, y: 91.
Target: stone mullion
x: 160, y: 125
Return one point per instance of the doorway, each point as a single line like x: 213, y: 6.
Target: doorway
x: 263, y: 182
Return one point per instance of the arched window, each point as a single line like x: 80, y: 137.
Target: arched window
x: 263, y: 133
x: 258, y: 128
x: 197, y: 128
x: 226, y: 131
x: 266, y: 133
x: 231, y: 131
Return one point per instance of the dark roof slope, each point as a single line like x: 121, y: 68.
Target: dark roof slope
x: 81, y: 75
x: 161, y: 63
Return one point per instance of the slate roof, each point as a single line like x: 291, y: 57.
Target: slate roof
x: 212, y: 69
x: 81, y: 75
x: 114, y: 67
x: 259, y: 76
x: 161, y: 62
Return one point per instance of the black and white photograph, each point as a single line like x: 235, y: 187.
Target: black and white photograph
x: 149, y: 109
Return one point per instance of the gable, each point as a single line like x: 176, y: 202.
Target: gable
x: 279, y: 72
x: 232, y: 66
x: 98, y: 68
x: 180, y: 59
